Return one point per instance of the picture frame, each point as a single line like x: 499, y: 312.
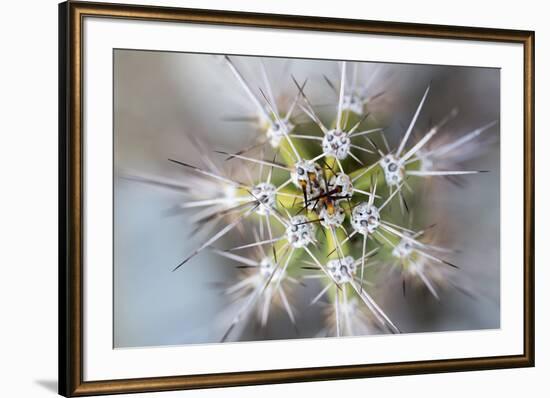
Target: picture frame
x: 73, y: 203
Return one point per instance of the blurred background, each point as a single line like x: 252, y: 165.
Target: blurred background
x: 162, y: 99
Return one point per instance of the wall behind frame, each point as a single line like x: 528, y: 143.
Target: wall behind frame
x: 28, y: 208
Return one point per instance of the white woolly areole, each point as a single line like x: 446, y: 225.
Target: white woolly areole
x: 393, y: 170
x: 365, y: 218
x: 342, y: 181
x: 267, y: 267
x: 342, y: 270
x: 332, y: 220
x: 310, y: 175
x: 353, y: 103
x: 336, y: 143
x: 277, y: 130
x: 300, y: 233
x: 265, y: 193
x: 403, y: 249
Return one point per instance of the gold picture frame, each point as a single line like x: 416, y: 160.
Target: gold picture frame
x: 71, y: 16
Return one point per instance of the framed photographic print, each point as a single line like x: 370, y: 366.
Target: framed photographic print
x: 251, y: 199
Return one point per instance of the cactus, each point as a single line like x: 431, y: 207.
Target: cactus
x: 328, y: 202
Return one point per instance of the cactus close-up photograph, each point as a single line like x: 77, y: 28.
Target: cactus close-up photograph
x: 277, y: 198
x: 266, y: 198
